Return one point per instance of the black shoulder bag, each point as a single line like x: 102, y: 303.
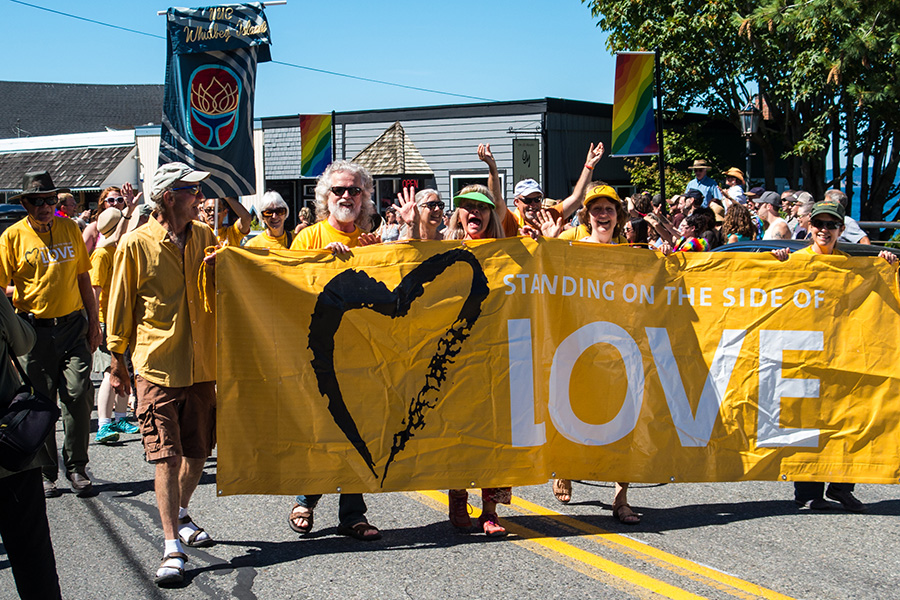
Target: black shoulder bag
x: 26, y: 422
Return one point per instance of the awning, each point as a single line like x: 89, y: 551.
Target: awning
x: 81, y: 169
x: 393, y: 153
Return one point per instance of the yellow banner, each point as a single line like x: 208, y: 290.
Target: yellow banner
x: 437, y: 364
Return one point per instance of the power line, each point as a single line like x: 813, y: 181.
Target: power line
x: 277, y: 62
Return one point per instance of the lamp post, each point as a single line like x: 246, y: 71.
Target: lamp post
x: 749, y: 124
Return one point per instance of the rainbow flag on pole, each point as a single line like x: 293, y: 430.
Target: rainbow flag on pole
x: 633, y: 130
x: 315, y: 144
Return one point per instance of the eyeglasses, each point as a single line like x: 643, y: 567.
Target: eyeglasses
x: 193, y: 189
x: 339, y: 190
x: 271, y: 213
x: 116, y: 200
x: 434, y: 205
x: 470, y: 206
x: 49, y: 201
x: 820, y: 224
x: 536, y: 200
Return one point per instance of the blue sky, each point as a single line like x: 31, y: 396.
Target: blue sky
x: 493, y: 49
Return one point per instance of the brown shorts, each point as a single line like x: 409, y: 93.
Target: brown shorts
x: 176, y: 421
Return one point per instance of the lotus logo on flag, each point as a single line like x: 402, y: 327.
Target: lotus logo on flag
x: 214, y: 97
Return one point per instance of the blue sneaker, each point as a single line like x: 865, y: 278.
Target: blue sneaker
x: 123, y: 426
x: 106, y: 434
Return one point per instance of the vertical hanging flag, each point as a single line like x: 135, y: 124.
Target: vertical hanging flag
x: 633, y: 131
x: 210, y: 79
x: 315, y: 144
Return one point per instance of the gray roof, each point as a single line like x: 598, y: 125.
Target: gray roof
x: 76, y: 168
x: 393, y: 153
x: 31, y: 109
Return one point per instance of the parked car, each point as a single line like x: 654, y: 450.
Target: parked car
x: 9, y: 214
x: 794, y: 245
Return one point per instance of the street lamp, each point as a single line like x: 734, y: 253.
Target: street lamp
x: 749, y: 124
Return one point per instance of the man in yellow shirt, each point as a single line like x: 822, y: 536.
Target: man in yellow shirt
x: 45, y: 258
x: 228, y: 235
x: 345, y: 208
x: 155, y: 307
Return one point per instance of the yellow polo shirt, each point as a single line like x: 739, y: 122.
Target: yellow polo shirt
x: 156, y: 308
x: 101, y: 275
x: 44, y: 267
x: 316, y: 237
x: 264, y: 240
x: 231, y: 236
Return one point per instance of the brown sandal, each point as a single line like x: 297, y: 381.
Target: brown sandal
x: 562, y: 489
x: 302, y: 524
x: 362, y: 531
x: 625, y: 515
x: 173, y: 578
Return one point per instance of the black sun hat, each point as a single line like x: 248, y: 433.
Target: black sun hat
x: 37, y: 182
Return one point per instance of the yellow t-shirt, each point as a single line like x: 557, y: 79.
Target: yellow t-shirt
x: 316, y: 237
x: 575, y: 233
x: 231, y: 236
x: 155, y: 306
x: 44, y: 267
x: 809, y: 250
x: 264, y: 240
x: 101, y: 275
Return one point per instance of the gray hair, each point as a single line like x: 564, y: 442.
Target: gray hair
x: 423, y: 195
x: 323, y: 188
x: 837, y: 196
x: 804, y: 208
x: 272, y: 200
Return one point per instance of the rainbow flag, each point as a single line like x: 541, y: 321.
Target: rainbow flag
x: 315, y: 144
x: 633, y: 130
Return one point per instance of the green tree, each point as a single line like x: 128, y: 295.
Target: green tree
x: 680, y: 149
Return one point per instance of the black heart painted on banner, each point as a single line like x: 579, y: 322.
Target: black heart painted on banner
x: 351, y: 290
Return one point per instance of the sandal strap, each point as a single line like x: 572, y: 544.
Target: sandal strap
x: 178, y: 555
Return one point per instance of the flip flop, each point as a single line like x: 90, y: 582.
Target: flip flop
x: 626, y: 516
x: 562, y: 489
x: 296, y: 521
x: 362, y: 531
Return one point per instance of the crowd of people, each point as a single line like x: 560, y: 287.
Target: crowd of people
x: 117, y: 291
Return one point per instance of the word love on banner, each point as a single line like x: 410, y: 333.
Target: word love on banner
x: 430, y: 365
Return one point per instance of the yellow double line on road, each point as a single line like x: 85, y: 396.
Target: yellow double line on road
x: 609, y: 572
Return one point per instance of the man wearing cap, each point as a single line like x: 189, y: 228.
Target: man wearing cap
x: 826, y: 224
x: 528, y: 195
x: 702, y: 182
x: 767, y: 211
x: 45, y: 258
x: 156, y: 308
x: 344, y: 208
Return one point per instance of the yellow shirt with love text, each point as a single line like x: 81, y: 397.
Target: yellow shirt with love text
x: 44, y: 267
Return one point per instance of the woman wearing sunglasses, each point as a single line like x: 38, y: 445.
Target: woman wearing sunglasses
x: 431, y: 216
x: 274, y: 212
x: 122, y: 198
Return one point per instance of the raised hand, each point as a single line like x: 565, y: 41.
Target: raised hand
x: 549, y: 227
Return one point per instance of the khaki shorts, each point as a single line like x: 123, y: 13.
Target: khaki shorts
x: 176, y: 421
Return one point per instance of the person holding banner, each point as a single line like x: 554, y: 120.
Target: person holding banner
x: 157, y: 310
x: 344, y: 207
x: 232, y: 234
x: 274, y: 212
x: 476, y: 217
x: 826, y: 224
x: 603, y: 214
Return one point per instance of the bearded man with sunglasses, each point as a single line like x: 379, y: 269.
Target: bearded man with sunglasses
x: 155, y: 307
x: 45, y: 258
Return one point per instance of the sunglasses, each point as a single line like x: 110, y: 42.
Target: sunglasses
x: 115, y: 200
x: 339, y: 190
x: 193, y: 189
x: 434, y: 205
x: 272, y: 213
x: 210, y: 211
x: 470, y: 206
x: 820, y: 224
x: 49, y: 201
x: 537, y: 200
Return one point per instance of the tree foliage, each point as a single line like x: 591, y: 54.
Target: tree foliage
x: 827, y: 71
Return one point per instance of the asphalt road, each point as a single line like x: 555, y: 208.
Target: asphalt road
x: 732, y: 540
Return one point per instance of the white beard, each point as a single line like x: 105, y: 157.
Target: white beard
x: 342, y: 213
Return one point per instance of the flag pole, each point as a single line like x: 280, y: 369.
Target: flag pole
x: 659, y: 127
